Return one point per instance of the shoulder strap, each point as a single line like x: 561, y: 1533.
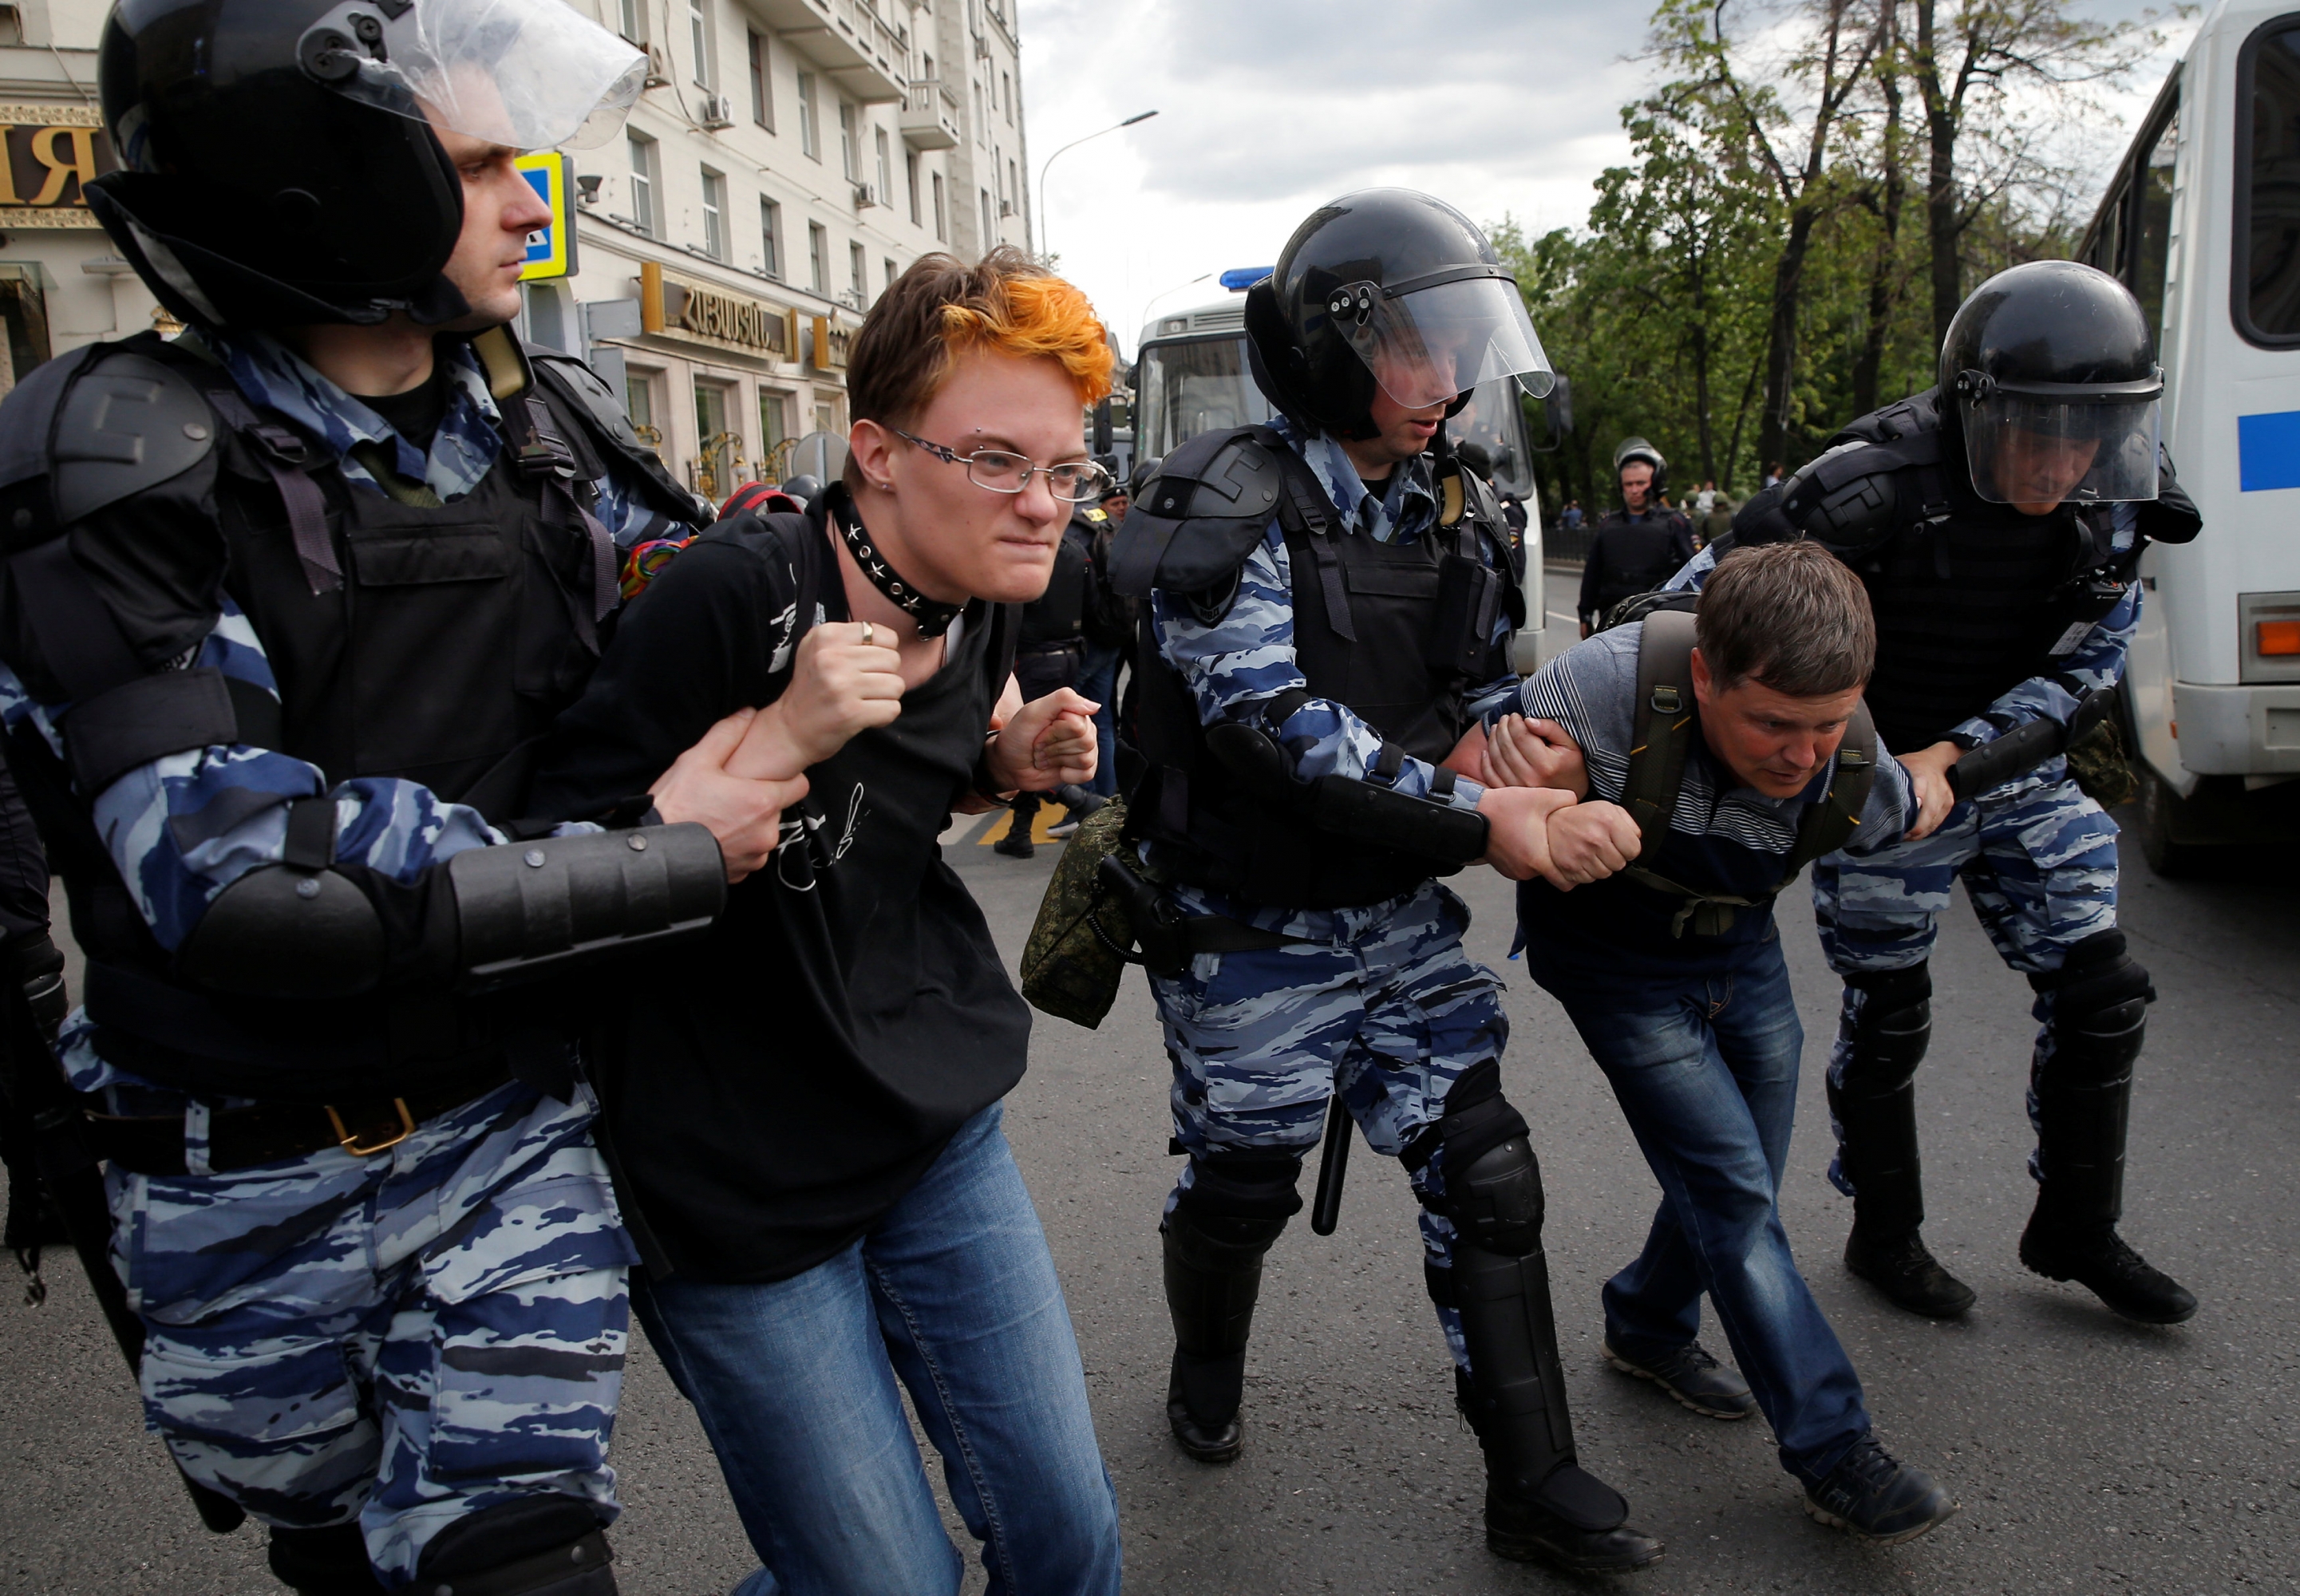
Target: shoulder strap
x: 1665, y: 717
x: 803, y: 542
x: 1307, y: 520
x: 1829, y: 824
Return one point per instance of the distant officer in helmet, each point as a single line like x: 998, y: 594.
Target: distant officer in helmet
x: 1331, y: 603
x: 1998, y: 520
x: 286, y: 607
x: 1640, y: 545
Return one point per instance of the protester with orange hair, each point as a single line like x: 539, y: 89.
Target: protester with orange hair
x: 806, y: 1105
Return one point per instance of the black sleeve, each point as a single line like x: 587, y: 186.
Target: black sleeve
x: 1593, y: 573
x: 2171, y: 517
x: 1681, y: 540
x: 692, y: 649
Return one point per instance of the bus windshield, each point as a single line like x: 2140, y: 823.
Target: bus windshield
x: 1187, y: 386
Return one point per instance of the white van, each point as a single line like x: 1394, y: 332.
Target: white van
x: 1191, y: 375
x: 2202, y: 222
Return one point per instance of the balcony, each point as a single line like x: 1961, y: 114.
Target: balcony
x: 866, y: 59
x: 929, y: 116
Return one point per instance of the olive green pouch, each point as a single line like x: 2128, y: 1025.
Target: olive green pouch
x: 1075, y: 956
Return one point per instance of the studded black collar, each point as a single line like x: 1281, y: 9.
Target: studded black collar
x: 934, y: 617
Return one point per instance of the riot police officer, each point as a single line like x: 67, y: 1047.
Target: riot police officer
x: 287, y: 605
x: 1997, y: 519
x: 1640, y: 545
x: 1331, y: 603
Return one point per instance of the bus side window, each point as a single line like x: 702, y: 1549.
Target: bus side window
x: 2267, y: 214
x: 2153, y: 221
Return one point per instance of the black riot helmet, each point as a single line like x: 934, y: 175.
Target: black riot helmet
x: 1637, y: 448
x: 2052, y: 380
x: 803, y: 487
x: 279, y: 162
x: 1387, y: 288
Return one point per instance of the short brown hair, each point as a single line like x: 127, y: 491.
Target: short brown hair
x: 940, y: 308
x: 1789, y: 615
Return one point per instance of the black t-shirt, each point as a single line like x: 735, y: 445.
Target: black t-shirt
x: 415, y: 414
x: 782, y: 1083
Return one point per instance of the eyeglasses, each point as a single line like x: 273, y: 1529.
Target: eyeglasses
x: 1075, y: 482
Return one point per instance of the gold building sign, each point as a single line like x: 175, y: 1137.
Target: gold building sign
x: 48, y: 154
x: 832, y: 344
x: 676, y: 309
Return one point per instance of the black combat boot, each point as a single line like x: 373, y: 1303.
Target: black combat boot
x: 1215, y: 1241
x: 2084, y: 1101
x: 1874, y: 1102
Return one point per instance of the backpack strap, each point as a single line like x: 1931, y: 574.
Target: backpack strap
x: 1829, y: 824
x: 1665, y: 717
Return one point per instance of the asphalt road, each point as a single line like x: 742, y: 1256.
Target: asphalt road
x: 2089, y: 1455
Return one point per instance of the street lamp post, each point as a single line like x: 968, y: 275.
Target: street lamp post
x: 1045, y: 248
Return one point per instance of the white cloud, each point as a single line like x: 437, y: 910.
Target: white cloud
x: 1268, y: 107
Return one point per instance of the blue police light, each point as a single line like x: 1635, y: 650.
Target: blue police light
x: 1237, y: 279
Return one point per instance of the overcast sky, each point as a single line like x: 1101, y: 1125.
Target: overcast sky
x: 1268, y: 107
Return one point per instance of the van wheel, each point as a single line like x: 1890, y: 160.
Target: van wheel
x: 2160, y: 825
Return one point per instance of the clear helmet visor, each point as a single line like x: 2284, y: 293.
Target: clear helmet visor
x: 2027, y: 450
x: 1430, y: 345
x: 530, y: 74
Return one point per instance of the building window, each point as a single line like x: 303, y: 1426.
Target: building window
x: 1009, y: 95
x: 1013, y: 185
x: 910, y: 181
x: 849, y: 157
x: 633, y: 18
x: 818, y: 257
x: 770, y: 237
x: 858, y: 271
x: 989, y: 221
x: 714, y: 214
x: 886, y: 169
x: 638, y: 399
x: 942, y: 222
x: 645, y: 215
x: 774, y: 427
x: 698, y: 29
x: 810, y: 127
x: 762, y: 89
x: 891, y: 273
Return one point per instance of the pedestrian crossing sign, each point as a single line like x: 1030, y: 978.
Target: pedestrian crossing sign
x: 550, y: 250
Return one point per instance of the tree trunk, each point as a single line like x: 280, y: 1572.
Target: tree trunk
x: 1780, y: 339
x: 1943, y: 232
x: 1883, y: 295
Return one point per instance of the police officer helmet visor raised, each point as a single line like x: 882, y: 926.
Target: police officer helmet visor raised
x: 1430, y: 339
x: 529, y: 74
x: 2053, y: 444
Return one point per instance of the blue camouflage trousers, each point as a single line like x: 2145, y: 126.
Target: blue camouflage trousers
x: 404, y: 1339
x: 1390, y: 1012
x: 2037, y: 859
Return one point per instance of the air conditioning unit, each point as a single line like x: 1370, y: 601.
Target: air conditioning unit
x: 866, y: 194
x: 717, y: 111
x: 1006, y: 207
x: 658, y: 70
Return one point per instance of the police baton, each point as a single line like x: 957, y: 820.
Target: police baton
x: 1333, y: 1165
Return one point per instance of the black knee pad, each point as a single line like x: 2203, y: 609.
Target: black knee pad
x: 2099, y: 993
x: 533, y: 1546
x: 1493, y: 1182
x: 1237, y: 1200
x: 322, y: 1562
x: 1895, y: 1026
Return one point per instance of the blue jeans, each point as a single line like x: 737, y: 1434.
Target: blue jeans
x: 953, y: 1295
x: 1098, y: 681
x: 1705, y: 1069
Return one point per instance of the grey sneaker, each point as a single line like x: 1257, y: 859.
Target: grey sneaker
x: 1694, y: 1378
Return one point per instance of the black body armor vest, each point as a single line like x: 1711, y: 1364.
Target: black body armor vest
x: 1058, y: 615
x: 1396, y: 632
x: 1971, y: 598
x: 438, y: 650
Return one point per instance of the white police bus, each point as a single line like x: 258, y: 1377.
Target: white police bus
x: 2202, y: 222
x: 1191, y: 375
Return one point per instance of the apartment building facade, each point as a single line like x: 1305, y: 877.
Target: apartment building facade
x: 788, y: 159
